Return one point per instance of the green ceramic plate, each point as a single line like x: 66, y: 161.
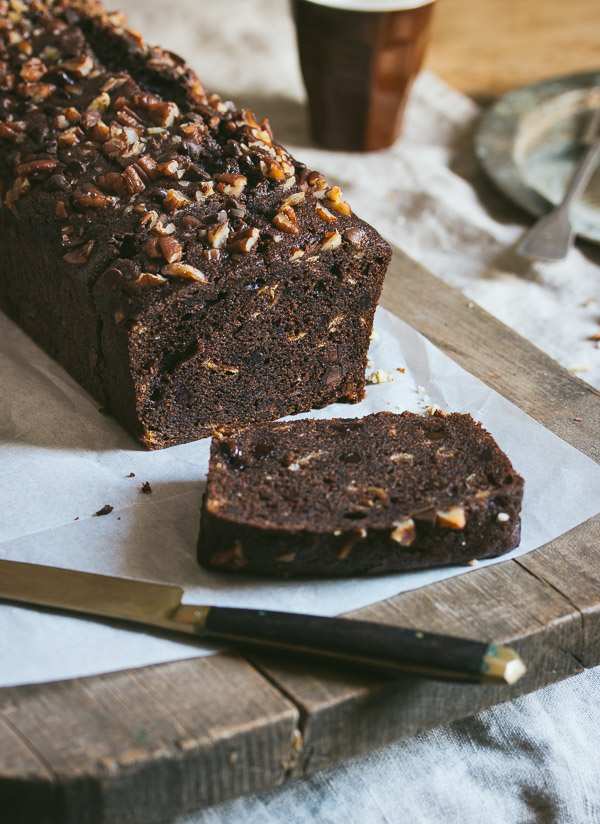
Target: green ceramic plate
x: 529, y: 143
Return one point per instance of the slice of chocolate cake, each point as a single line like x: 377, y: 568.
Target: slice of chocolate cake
x: 351, y: 496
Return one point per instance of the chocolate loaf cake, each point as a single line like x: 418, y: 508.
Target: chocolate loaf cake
x: 159, y: 242
x: 350, y: 496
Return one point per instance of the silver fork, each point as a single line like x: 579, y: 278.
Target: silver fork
x: 552, y: 235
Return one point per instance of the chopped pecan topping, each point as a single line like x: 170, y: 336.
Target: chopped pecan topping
x: 77, y: 66
x: 149, y: 219
x: 152, y: 247
x: 149, y: 279
x: 183, y: 270
x: 100, y: 103
x: 20, y: 187
x: 33, y: 70
x: 36, y: 92
x: 271, y: 169
x: 132, y: 180
x: 7, y: 132
x: 171, y: 249
x: 218, y: 235
x: 317, y: 181
x: 205, y: 191
x: 293, y: 200
x: 169, y: 169
x: 333, y: 198
x: 175, y: 200
x: 36, y: 168
x: 286, y: 220
x: 244, y: 241
x: 194, y: 131
x: 70, y: 136
x: 88, y: 196
x: 80, y: 254
x: 323, y: 212
x: 163, y: 113
x: 230, y: 184
x: 332, y: 241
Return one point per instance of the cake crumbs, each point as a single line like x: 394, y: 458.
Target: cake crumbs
x: 401, y: 369
x: 473, y: 563
x: 76, y: 518
x: 146, y: 488
x: 380, y: 376
x: 580, y: 367
x: 131, y: 475
x: 374, y: 335
x: 106, y: 510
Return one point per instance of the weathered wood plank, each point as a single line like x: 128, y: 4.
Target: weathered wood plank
x: 571, y: 565
x: 27, y: 785
x: 205, y: 730
x: 346, y: 715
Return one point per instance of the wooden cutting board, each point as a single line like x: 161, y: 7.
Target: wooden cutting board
x: 148, y: 744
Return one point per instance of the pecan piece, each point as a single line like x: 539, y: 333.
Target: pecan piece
x: 332, y: 241
x: 404, y: 532
x: 171, y: 249
x: 285, y: 219
x: 175, y: 200
x: 33, y: 70
x: 324, y: 213
x: 218, y: 235
x: 230, y: 184
x: 453, y: 518
x: 77, y: 66
x: 7, y: 133
x: 36, y: 168
x: 183, y: 270
x: 89, y: 196
x: 163, y: 113
x: 244, y: 241
x: 80, y: 254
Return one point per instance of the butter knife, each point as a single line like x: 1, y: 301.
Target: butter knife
x: 376, y: 647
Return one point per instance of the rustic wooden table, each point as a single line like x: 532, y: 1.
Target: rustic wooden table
x: 486, y: 47
x: 147, y: 744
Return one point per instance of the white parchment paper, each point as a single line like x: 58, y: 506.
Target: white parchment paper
x: 62, y: 461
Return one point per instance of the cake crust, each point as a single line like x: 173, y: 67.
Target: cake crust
x: 161, y: 244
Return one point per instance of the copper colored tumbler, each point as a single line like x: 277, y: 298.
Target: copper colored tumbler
x: 358, y: 66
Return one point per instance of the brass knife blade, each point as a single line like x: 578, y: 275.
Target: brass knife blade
x: 84, y: 592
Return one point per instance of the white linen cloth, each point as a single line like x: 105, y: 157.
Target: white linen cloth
x: 535, y: 759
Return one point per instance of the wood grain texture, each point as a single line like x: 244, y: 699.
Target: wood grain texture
x: 502, y: 603
x: 486, y: 48
x: 145, y: 745
x: 571, y: 565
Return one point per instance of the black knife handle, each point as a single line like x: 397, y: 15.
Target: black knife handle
x: 379, y: 647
